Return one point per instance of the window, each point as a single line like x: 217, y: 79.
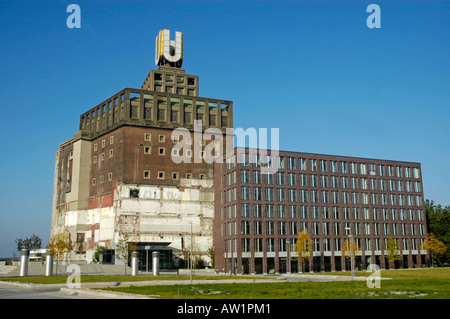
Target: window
x: 314, y: 197
x: 245, y: 227
x: 110, y: 177
x: 303, y: 197
x: 110, y: 153
x: 293, y: 212
x: 95, y: 147
x: 147, y: 149
x: 324, y: 181
x: 380, y: 170
x: 333, y: 166
x: 372, y: 169
x: 323, y: 165
x: 245, y: 176
x: 281, y: 211
x: 353, y: 168
x: 134, y: 193
x: 343, y: 167
x: 269, y: 211
x: 257, y: 193
x: 302, y: 164
x: 303, y: 212
x: 103, y: 143
x: 334, y: 182
x: 291, y: 179
x: 292, y: 195
x: 160, y: 175
x: 280, y: 194
x: 161, y: 138
x: 270, y: 229
x: 146, y: 174
x: 280, y: 178
x: 291, y: 162
x: 202, y: 176
x: 313, y: 180
x: 363, y: 182
x: 245, y: 210
x: 111, y: 140
x: 161, y: 151
x: 147, y: 137
x: 269, y: 193
x: 257, y: 210
x: 313, y: 165
x: 245, y: 193
x: 302, y: 179
x: 102, y: 179
x: 362, y: 169
x: 257, y: 177
x: 174, y: 175
x: 407, y: 172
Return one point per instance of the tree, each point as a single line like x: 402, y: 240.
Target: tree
x: 304, y: 247
x: 124, y: 248
x: 434, y: 246
x: 212, y: 256
x: 438, y: 223
x: 32, y: 243
x: 350, y: 249
x: 58, y: 245
x: 392, y: 250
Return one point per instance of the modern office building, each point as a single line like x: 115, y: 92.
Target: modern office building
x: 258, y: 215
x: 123, y: 171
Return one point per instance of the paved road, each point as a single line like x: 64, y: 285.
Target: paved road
x: 7, y: 292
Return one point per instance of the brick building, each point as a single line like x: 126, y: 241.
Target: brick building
x: 258, y: 215
x: 122, y: 172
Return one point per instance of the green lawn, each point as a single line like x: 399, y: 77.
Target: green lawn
x: 108, y: 278
x: 405, y: 284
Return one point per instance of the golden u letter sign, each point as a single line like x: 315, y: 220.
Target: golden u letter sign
x: 169, y: 51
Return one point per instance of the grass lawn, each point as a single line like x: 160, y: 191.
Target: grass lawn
x: 108, y: 278
x: 405, y: 284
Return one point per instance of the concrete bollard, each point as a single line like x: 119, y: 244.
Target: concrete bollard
x: 49, y: 264
x: 155, y: 263
x: 25, y: 254
x: 134, y: 263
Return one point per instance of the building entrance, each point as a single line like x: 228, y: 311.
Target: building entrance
x: 145, y: 253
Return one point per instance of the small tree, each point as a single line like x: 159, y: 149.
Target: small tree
x: 212, y: 256
x: 59, y: 244
x: 392, y: 250
x: 434, y: 246
x: 124, y: 248
x: 350, y: 249
x: 304, y: 247
x: 32, y: 243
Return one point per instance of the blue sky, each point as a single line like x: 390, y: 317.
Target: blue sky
x: 311, y: 68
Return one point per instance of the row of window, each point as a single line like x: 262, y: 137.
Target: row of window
x: 344, y: 167
x: 318, y: 244
x: 160, y: 175
x: 325, y: 212
x: 323, y: 181
x: 321, y: 228
x: 312, y: 196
